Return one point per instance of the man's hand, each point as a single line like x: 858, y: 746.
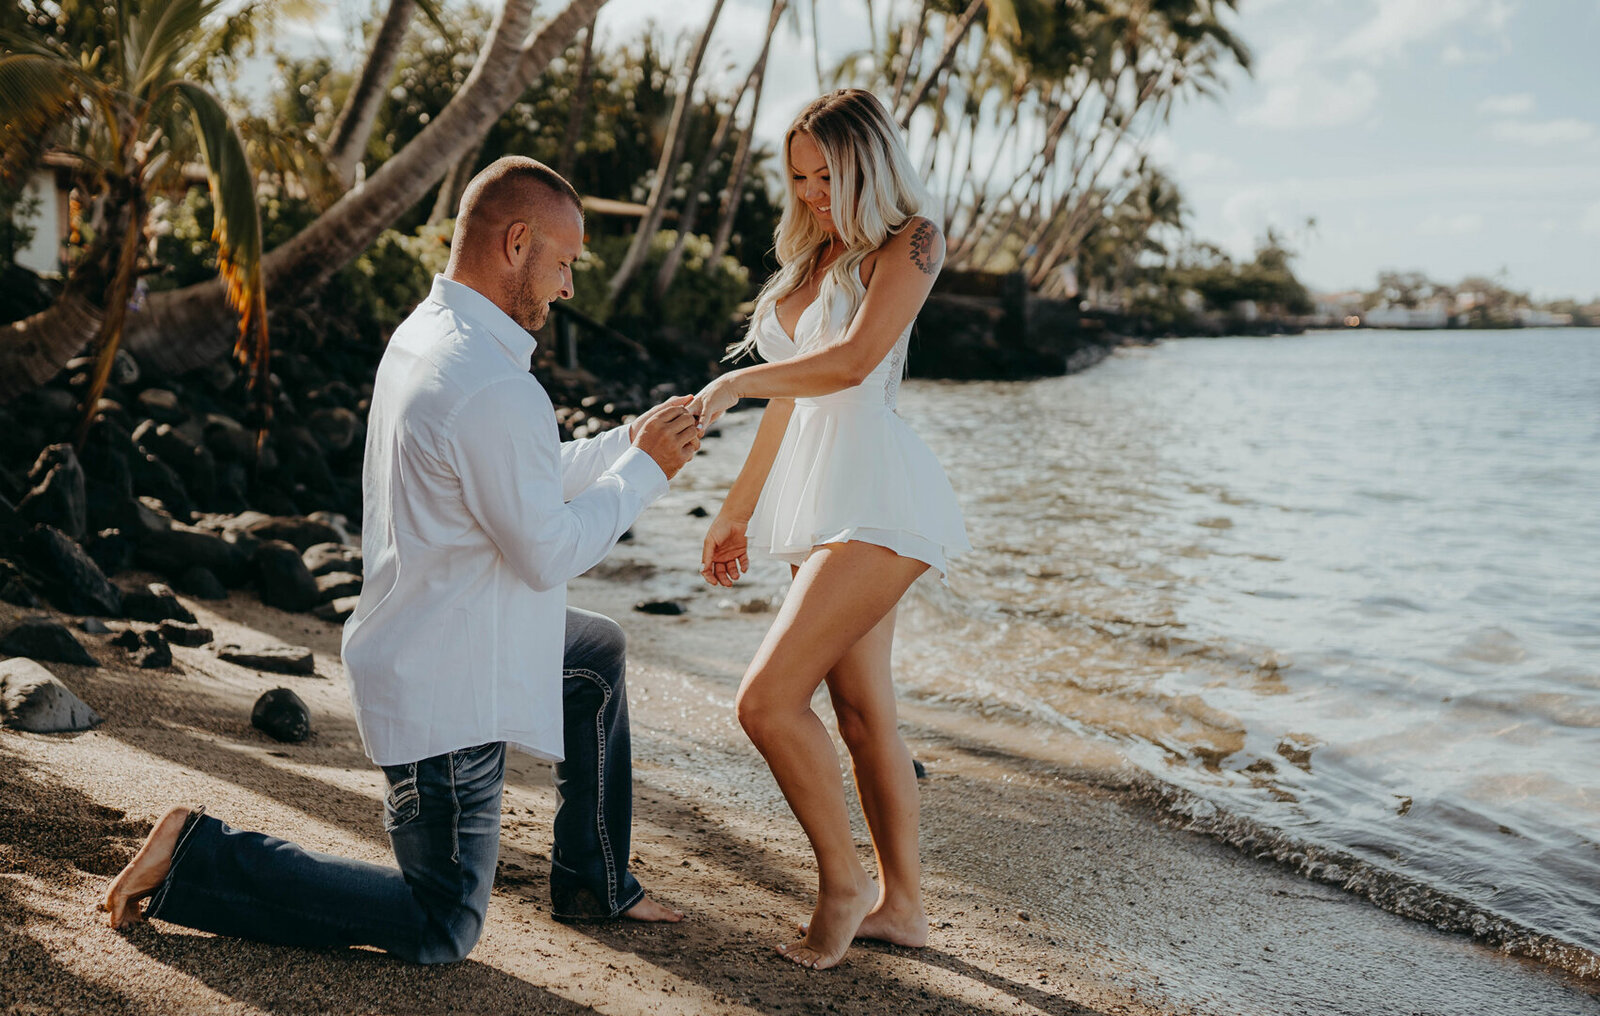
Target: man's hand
x: 668, y: 434
x: 639, y: 421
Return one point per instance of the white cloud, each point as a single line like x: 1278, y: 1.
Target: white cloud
x: 1396, y: 24
x: 1566, y: 130
x: 1507, y: 105
x: 1456, y: 224
x: 1314, y: 98
x: 1455, y: 56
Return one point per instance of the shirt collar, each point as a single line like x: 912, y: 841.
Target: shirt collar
x: 462, y: 299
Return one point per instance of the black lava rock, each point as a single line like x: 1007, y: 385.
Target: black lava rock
x: 332, y: 557
x: 40, y: 638
x: 669, y: 607
x: 199, y: 581
x: 72, y: 580
x: 153, y: 653
x: 698, y: 512
x: 303, y: 533
x: 335, y: 585
x: 277, y: 659
x: 57, y: 498
x: 280, y: 714
x: 921, y: 770
x: 184, y: 633
x: 154, y: 602
x: 284, y: 580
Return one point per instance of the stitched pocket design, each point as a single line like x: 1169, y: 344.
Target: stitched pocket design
x: 402, y: 803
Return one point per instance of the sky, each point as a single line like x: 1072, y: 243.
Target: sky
x: 1450, y: 137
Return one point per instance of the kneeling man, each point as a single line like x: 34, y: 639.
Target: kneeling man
x: 476, y: 515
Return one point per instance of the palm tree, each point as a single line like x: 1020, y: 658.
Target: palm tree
x: 130, y: 119
x: 671, y: 155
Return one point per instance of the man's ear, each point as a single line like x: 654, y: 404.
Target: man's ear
x: 519, y: 242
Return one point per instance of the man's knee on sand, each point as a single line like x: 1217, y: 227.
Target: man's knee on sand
x: 596, y: 644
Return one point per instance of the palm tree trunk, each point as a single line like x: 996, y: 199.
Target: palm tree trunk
x: 348, y: 141
x: 190, y: 327
x: 952, y: 41
x: 691, y: 206
x: 908, y: 54
x: 671, y: 153
x: 733, y: 194
x: 579, y: 106
x: 454, y: 185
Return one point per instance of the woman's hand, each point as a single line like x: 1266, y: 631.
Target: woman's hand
x: 726, y: 553
x: 715, y: 399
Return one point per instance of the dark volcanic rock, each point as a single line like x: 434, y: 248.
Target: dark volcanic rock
x: 172, y: 548
x: 32, y: 699
x: 334, y: 585
x: 276, y: 659
x: 182, y: 633
x: 152, y: 651
x: 162, y: 405
x: 111, y: 550
x: 154, y: 602
x: 332, y: 557
x: 338, y: 611
x: 659, y: 607
x: 192, y: 462
x: 199, y: 581
x: 334, y: 429
x: 16, y: 592
x: 284, y: 581
x: 72, y: 580
x: 302, y: 533
x: 58, y: 497
x: 154, y: 478
x: 43, y: 639
x: 280, y: 714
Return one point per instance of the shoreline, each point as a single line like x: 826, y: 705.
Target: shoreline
x: 1053, y: 887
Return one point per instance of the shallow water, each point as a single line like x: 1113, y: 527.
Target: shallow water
x: 1341, y: 591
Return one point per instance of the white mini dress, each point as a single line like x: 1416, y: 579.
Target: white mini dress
x: 849, y: 467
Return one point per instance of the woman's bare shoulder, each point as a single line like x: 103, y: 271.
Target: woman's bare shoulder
x: 918, y: 246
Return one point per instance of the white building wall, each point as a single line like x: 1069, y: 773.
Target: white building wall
x: 42, y: 255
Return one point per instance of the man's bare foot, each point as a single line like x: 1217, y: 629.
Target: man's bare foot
x: 897, y: 928
x: 649, y: 911
x: 833, y: 924
x: 145, y: 873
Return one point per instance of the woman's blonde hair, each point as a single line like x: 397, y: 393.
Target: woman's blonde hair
x: 873, y: 190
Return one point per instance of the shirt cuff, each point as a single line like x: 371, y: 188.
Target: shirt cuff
x: 614, y: 442
x: 639, y: 471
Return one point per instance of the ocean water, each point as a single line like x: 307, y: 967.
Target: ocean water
x: 1338, y: 595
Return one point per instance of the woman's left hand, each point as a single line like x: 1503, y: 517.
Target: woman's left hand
x: 715, y: 399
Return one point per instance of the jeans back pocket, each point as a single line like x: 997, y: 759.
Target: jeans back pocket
x: 402, y: 803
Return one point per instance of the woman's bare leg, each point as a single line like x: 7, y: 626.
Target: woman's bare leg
x: 863, y: 700
x: 839, y: 595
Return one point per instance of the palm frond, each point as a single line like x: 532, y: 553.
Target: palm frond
x: 36, y: 92
x: 161, y: 36
x: 237, y: 227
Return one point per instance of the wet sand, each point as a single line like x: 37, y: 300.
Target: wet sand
x: 1052, y: 888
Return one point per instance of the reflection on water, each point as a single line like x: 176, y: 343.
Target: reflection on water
x: 1345, y: 586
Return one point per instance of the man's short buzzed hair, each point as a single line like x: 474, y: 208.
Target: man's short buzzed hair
x: 501, y: 190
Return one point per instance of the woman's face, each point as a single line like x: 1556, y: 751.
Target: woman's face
x: 808, y: 174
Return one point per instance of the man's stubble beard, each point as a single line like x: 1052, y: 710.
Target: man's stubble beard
x: 531, y: 312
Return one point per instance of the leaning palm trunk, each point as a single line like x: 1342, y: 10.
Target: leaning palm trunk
x: 348, y: 140
x: 732, y: 195
x: 578, y: 108
x: 504, y: 69
x: 953, y: 38
x: 671, y: 153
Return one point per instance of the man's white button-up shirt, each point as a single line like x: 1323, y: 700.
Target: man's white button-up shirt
x: 476, y: 515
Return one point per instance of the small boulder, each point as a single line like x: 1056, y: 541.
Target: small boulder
x: 332, y: 557
x: 338, y: 611
x: 40, y: 638
x: 303, y: 533
x: 274, y: 659
x: 698, y: 512
x: 184, y: 633
x: 284, y: 581
x: 668, y: 607
x: 16, y: 593
x: 280, y: 714
x: 153, y: 602
x: 32, y: 699
x: 162, y: 406
x: 336, y: 585
x: 73, y: 581
x: 201, y: 583
x: 58, y: 496
x: 152, y: 651
x: 334, y: 428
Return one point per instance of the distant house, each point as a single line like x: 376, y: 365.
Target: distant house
x: 49, y: 190
x: 1435, y: 312
x: 1528, y: 317
x: 1334, y: 310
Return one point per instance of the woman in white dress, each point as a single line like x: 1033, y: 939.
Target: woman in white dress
x: 839, y: 487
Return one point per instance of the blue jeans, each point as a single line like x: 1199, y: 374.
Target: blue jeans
x: 443, y: 818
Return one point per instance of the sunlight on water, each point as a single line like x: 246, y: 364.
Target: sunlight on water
x: 1345, y: 585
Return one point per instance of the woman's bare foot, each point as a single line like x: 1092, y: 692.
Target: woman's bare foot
x: 895, y: 927
x: 145, y: 873
x: 649, y: 911
x: 833, y: 925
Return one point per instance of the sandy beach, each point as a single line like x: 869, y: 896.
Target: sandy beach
x: 1052, y: 888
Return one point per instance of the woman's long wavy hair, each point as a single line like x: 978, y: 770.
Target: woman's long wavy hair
x: 873, y: 190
